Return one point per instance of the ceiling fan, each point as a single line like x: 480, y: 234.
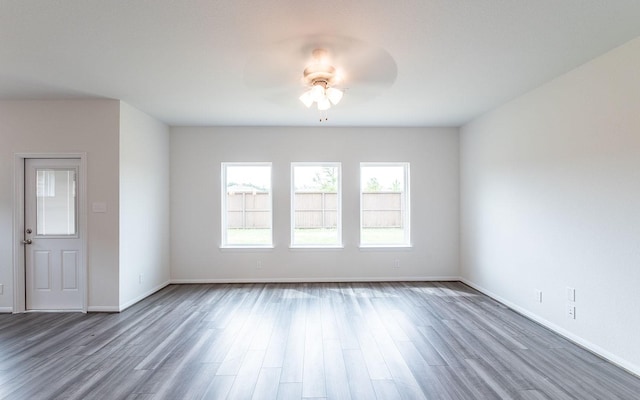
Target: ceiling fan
x: 321, y: 77
x: 329, y: 65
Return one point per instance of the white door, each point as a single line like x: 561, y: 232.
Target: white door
x: 52, y: 240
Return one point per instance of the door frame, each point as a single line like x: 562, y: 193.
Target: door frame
x: 19, y: 275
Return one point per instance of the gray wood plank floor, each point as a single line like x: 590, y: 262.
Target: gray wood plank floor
x: 400, y: 340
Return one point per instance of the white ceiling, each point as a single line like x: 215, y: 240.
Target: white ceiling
x: 187, y: 62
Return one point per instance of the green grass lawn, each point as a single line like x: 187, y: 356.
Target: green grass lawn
x: 249, y: 236
x: 315, y: 236
x: 382, y: 236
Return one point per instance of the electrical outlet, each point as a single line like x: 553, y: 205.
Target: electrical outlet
x: 259, y: 264
x: 396, y: 263
x: 571, y: 311
x: 571, y: 294
x: 538, y: 294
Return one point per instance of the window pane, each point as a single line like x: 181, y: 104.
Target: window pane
x: 246, y: 213
x: 316, y: 217
x: 56, y: 202
x: 384, y: 204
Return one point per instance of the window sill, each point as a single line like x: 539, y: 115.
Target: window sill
x: 369, y: 247
x: 316, y: 247
x: 247, y: 248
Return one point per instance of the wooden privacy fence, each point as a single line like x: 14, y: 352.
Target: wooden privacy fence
x: 316, y: 210
x: 250, y: 210
x: 382, y: 209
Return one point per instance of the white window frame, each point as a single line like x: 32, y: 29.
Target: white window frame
x: 223, y: 179
x: 407, y: 205
x: 339, y: 243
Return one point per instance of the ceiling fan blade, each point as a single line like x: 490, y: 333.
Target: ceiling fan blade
x: 275, y: 72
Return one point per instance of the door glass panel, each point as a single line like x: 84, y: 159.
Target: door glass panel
x: 56, y: 202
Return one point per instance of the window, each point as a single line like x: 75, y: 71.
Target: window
x: 316, y: 205
x: 246, y: 205
x: 384, y: 205
x: 56, y: 203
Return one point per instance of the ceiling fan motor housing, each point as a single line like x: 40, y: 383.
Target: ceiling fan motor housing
x: 319, y: 74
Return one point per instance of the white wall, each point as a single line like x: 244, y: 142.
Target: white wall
x: 550, y: 189
x: 66, y: 127
x: 144, y: 205
x: 196, y: 154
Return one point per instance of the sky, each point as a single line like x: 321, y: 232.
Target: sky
x: 260, y: 175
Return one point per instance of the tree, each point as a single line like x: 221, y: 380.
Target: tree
x: 373, y: 185
x: 396, y: 186
x: 247, y: 185
x: 327, y: 180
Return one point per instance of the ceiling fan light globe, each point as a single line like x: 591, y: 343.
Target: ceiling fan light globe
x: 324, y: 104
x: 307, y: 98
x: 334, y: 95
x: 317, y: 93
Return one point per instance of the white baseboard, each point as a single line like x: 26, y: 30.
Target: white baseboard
x: 108, y: 309
x: 143, y: 296
x: 624, y: 364
x: 5, y: 310
x: 124, y: 306
x: 319, y: 280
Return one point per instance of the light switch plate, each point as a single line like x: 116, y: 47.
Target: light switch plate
x: 99, y: 207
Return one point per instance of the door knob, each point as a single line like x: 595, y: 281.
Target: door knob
x: 27, y: 241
